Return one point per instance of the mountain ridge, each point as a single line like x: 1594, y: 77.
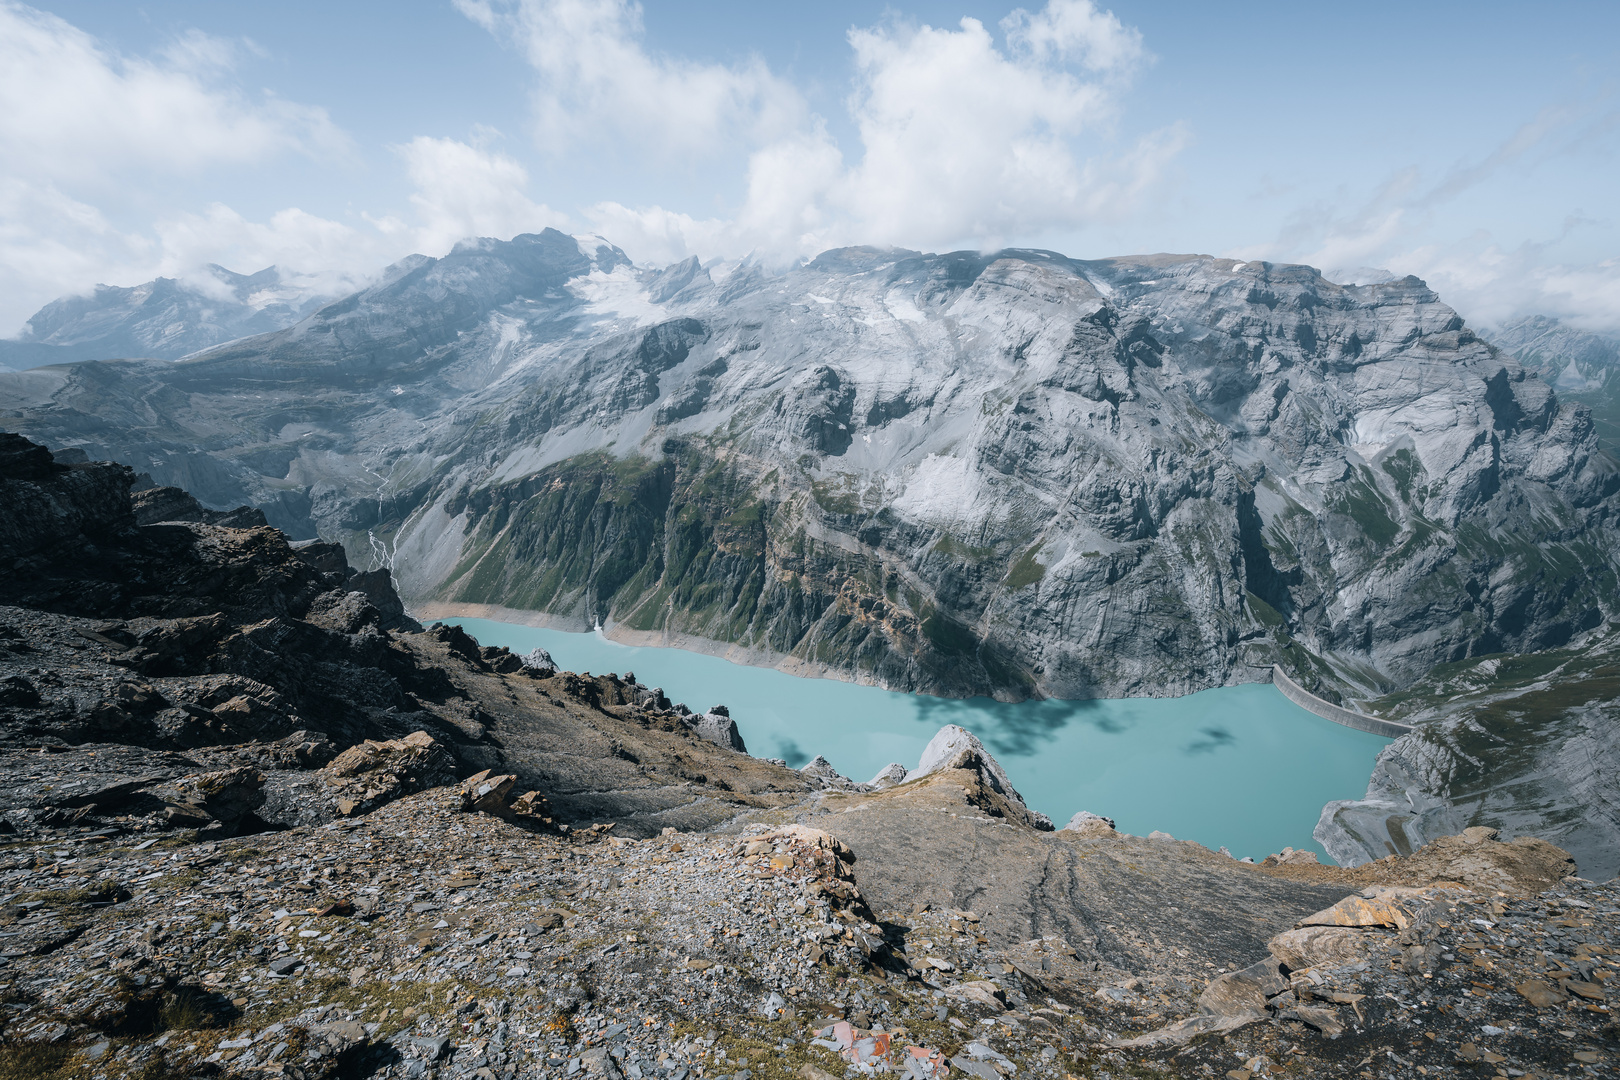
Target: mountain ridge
x: 165, y: 318
x: 932, y: 472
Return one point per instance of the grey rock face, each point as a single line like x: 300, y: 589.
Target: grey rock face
x: 1527, y: 745
x: 891, y: 774
x: 718, y: 729
x: 1013, y: 474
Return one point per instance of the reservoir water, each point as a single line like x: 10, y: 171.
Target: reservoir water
x: 1240, y: 766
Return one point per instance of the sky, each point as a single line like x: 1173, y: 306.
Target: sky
x: 1474, y: 145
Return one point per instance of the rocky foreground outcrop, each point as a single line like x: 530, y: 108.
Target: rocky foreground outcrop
x: 135, y: 656
x: 256, y: 831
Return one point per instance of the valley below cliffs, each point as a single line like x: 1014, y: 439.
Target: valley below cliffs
x: 1014, y: 473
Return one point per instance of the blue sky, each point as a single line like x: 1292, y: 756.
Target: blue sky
x: 1472, y: 144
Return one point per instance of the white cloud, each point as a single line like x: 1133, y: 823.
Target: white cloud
x: 81, y: 124
x: 71, y: 111
x: 962, y: 141
x: 51, y: 242
x: 332, y: 256
x: 1489, y: 284
x: 598, y: 84
x: 1075, y: 29
x: 464, y: 190
x: 77, y: 118
x: 658, y: 236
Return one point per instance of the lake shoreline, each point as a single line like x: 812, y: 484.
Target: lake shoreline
x: 1241, y: 767
x: 742, y: 655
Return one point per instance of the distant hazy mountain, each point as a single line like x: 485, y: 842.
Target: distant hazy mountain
x: 1568, y: 358
x: 1580, y: 364
x: 164, y: 319
x: 1011, y: 473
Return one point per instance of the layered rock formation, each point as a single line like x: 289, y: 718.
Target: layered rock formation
x: 1012, y: 473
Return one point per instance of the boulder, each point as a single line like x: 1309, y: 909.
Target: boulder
x: 979, y: 991
x: 1289, y: 857
x: 487, y: 793
x: 1086, y: 823
x: 1248, y: 990
x: 226, y: 797
x: 375, y: 772
x: 1373, y: 907
x: 377, y: 586
x: 1311, y: 946
x: 955, y: 747
x: 718, y: 728
x: 951, y: 745
x: 891, y: 774
x: 822, y: 772
x: 539, y: 663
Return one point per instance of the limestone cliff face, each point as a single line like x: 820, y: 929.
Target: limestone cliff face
x: 1012, y: 473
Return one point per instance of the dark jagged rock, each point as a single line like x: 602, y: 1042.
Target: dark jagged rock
x: 53, y: 509
x: 156, y: 504
x: 231, y: 668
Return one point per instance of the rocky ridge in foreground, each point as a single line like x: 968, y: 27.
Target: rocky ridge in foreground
x: 261, y: 828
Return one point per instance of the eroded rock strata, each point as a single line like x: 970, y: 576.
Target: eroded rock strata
x: 260, y: 827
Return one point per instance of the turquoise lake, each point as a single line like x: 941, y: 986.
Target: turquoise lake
x: 1240, y: 766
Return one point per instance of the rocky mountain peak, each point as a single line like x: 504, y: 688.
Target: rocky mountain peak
x: 1011, y: 472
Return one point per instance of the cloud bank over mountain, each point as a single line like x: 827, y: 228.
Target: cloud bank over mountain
x: 1064, y: 126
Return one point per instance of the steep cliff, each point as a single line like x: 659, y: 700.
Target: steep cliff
x: 1010, y: 473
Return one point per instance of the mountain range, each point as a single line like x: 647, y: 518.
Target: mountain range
x: 165, y: 318
x: 1013, y: 473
